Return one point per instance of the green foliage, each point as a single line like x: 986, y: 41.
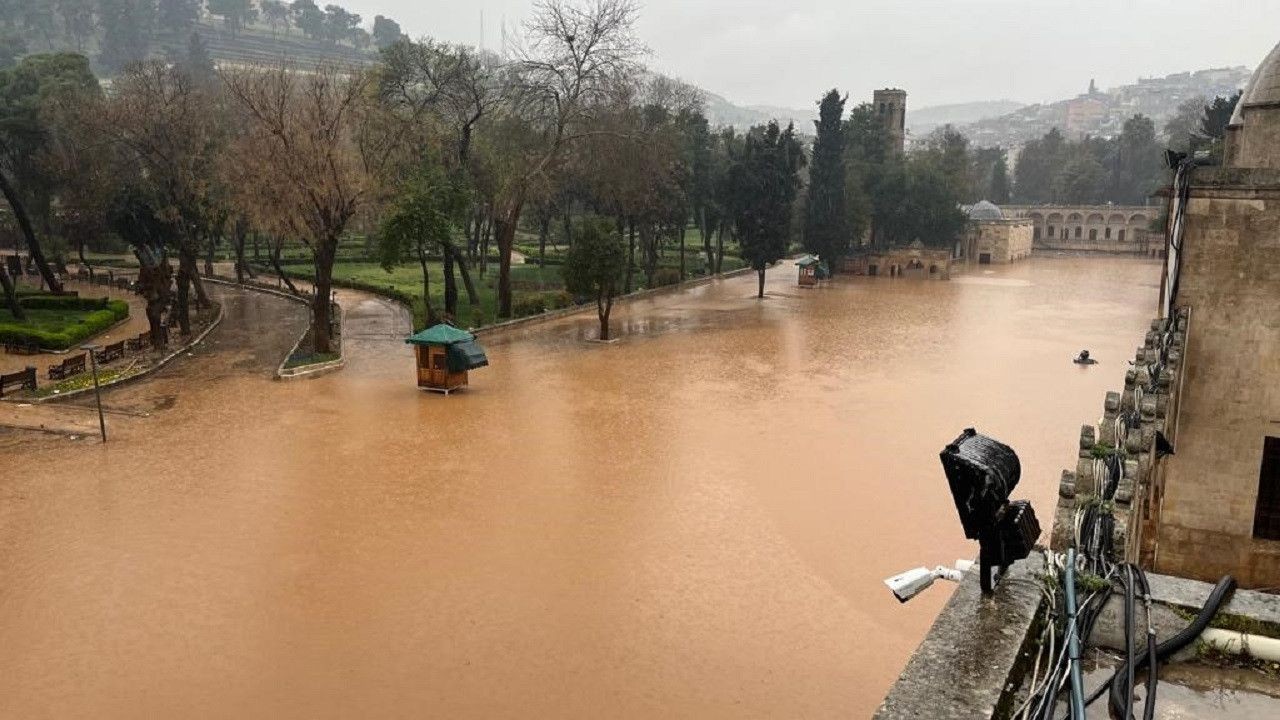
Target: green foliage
x: 177, y: 16
x: 59, y: 323
x: 765, y: 180
x: 423, y: 216
x: 1217, y: 115
x: 917, y: 201
x: 1122, y: 170
x: 1102, y: 451
x: 235, y: 14
x: 525, y: 304
x: 594, y: 265
x: 385, y: 31
x: 127, y: 27
x: 826, y: 221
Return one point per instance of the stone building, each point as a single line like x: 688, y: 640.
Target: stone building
x: 891, y: 107
x: 1121, y: 229
x: 910, y: 261
x: 1215, y: 503
x: 991, y: 237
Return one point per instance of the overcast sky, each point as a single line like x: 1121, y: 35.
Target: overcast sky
x: 787, y: 52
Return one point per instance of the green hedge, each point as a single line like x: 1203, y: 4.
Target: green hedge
x: 93, y: 322
x: 68, y: 302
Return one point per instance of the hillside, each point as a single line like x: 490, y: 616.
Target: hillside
x: 925, y: 120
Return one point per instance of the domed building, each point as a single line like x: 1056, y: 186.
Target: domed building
x: 1209, y: 503
x: 992, y: 238
x: 1253, y: 134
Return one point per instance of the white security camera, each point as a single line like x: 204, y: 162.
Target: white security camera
x: 913, y: 582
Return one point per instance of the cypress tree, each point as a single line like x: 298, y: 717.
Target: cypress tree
x: 826, y: 223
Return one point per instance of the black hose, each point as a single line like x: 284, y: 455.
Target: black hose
x: 1128, y: 644
x: 1221, y: 592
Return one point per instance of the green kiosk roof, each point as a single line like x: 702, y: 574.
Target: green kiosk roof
x: 441, y: 334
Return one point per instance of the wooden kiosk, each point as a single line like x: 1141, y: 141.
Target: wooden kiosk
x: 444, y: 355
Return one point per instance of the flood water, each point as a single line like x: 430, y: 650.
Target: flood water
x: 693, y: 522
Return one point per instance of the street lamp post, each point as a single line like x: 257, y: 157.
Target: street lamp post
x: 97, y: 389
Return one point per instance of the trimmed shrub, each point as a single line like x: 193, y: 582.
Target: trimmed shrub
x: 67, y: 302
x: 73, y: 334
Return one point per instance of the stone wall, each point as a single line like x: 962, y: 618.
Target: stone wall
x: 1230, y: 280
x: 1000, y: 241
x: 1117, y: 465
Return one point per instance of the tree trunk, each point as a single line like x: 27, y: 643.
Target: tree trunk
x: 153, y: 284
x: 256, y: 256
x: 11, y: 295
x: 719, y: 248
x: 631, y: 254
x: 277, y: 246
x: 706, y: 241
x: 568, y: 224
x: 84, y: 263
x: 429, y: 314
x: 185, y: 271
x: 544, y: 229
x: 760, y: 270
x: 208, y: 255
x: 33, y: 245
x: 187, y: 258
x: 604, y: 306
x: 683, y: 230
x: 450, y: 283
x: 473, y: 298
x: 506, y: 232
x: 321, y: 337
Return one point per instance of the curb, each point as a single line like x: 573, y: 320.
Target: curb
x: 121, y: 381
x: 637, y: 295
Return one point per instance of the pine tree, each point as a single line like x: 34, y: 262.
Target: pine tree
x: 826, y: 227
x: 764, y: 182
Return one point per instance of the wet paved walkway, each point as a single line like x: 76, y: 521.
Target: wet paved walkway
x: 693, y: 522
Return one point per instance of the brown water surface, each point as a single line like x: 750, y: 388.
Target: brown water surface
x: 693, y: 522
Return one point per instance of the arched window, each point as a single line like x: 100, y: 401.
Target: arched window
x: 1108, y: 233
x: 1121, y: 238
x: 1093, y: 233
x: 1035, y: 234
x: 1079, y: 230
x: 1050, y: 233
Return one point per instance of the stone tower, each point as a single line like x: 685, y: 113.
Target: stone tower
x: 891, y: 107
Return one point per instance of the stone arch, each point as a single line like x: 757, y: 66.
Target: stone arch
x: 1116, y: 219
x: 1074, y: 217
x: 1139, y: 220
x: 1095, y: 219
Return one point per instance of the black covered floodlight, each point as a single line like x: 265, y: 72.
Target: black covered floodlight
x: 982, y: 473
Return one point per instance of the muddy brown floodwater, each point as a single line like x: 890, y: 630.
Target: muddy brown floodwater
x: 691, y: 523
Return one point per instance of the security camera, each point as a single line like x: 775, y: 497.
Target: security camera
x: 911, y: 583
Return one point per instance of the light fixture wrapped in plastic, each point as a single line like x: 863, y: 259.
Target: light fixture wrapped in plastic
x: 982, y: 472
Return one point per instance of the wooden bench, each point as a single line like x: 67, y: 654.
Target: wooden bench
x: 138, y: 344
x: 22, y: 347
x: 67, y: 368
x: 111, y: 352
x: 23, y: 379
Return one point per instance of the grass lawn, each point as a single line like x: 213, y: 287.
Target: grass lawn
x: 526, y: 280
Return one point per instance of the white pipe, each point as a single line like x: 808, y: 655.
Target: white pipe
x: 1238, y: 643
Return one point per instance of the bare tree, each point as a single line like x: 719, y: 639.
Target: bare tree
x: 566, y: 72
x: 308, y: 161
x: 170, y: 128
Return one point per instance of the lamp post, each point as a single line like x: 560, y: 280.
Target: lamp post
x: 97, y: 389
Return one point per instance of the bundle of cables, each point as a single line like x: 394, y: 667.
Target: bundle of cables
x: 1057, y: 663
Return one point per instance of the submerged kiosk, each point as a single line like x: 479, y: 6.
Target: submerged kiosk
x: 445, y: 354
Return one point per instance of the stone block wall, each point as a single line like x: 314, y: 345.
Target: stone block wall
x: 1117, y: 464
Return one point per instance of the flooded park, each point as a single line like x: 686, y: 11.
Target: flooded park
x: 691, y: 522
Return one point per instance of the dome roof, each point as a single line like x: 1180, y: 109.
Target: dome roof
x: 984, y: 210
x: 1263, y: 87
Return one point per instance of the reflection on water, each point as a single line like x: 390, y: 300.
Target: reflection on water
x: 692, y: 522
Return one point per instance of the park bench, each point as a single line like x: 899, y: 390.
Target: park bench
x: 138, y: 344
x: 22, y: 347
x: 24, y: 379
x: 67, y: 368
x: 114, y: 351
